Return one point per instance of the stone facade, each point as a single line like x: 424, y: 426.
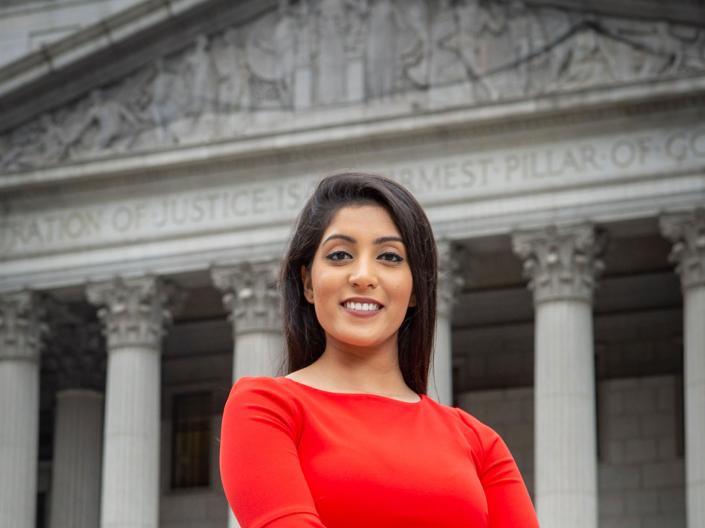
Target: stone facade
x: 152, y: 165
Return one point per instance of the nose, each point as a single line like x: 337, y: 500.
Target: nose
x: 362, y: 275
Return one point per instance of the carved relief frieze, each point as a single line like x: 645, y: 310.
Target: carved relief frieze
x: 320, y: 54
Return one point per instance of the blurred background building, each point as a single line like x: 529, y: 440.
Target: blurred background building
x: 154, y: 155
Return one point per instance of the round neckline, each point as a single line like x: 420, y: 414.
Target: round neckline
x: 364, y: 394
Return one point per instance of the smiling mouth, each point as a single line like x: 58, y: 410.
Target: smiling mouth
x: 365, y: 308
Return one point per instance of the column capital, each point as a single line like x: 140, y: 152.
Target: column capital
x: 450, y: 279
x: 251, y: 294
x: 561, y: 263
x: 687, y: 232
x: 21, y: 325
x: 76, y: 352
x: 134, y: 311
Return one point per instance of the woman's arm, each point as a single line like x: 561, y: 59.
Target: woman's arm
x: 508, y: 500
x: 259, y: 462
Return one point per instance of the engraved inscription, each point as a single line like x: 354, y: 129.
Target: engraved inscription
x: 516, y: 169
x: 435, y: 181
x: 144, y: 219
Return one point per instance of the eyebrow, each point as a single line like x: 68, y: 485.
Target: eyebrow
x: 380, y: 240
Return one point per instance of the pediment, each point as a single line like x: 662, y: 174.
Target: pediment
x: 296, y: 66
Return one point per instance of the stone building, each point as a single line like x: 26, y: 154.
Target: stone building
x: 153, y: 156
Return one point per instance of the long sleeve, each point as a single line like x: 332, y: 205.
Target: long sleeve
x: 508, y: 501
x: 259, y: 463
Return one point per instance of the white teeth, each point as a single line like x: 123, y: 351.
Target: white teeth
x: 362, y: 307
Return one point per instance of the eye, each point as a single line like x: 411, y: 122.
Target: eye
x: 391, y: 257
x: 338, y: 255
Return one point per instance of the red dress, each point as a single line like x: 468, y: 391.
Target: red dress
x: 293, y: 456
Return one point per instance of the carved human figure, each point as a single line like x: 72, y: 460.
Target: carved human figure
x: 631, y: 56
x: 109, y: 117
x: 234, y: 73
x: 305, y: 37
x: 200, y: 77
x: 415, y: 46
x: 684, y: 47
x: 479, y: 28
x: 446, y: 66
x: 588, y: 62
x: 357, y: 28
x: 331, y: 65
x: 285, y: 51
x: 271, y: 51
x: 8, y: 154
x: 54, y: 140
x: 160, y: 97
x: 382, y: 52
x: 12, y: 149
x: 523, y: 32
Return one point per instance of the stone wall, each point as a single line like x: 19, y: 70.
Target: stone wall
x: 641, y: 472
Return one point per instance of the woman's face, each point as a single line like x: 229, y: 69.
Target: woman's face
x: 359, y: 281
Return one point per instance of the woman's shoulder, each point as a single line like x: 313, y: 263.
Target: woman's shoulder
x: 263, y: 397
x: 263, y: 391
x: 259, y: 387
x: 479, y: 435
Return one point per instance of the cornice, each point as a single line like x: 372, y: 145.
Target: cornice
x: 94, y: 38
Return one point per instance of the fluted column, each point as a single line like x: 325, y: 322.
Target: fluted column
x: 133, y: 312
x: 687, y: 232
x: 561, y: 265
x: 76, y: 353
x: 440, y: 382
x: 20, y: 332
x: 251, y: 298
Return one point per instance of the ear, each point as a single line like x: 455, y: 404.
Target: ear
x: 412, y: 300
x: 306, y: 279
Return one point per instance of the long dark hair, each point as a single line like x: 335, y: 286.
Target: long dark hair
x: 305, y: 339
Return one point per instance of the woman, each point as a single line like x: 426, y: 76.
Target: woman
x: 349, y: 438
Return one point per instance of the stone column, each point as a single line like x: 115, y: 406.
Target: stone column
x: 134, y: 315
x: 252, y: 299
x: 561, y: 265
x: 76, y: 353
x: 440, y: 381
x: 687, y: 232
x: 20, y: 332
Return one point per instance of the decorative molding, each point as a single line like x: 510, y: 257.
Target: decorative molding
x: 687, y: 232
x: 251, y: 295
x: 134, y: 311
x: 450, y: 279
x: 21, y: 326
x: 561, y: 263
x: 329, y: 54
